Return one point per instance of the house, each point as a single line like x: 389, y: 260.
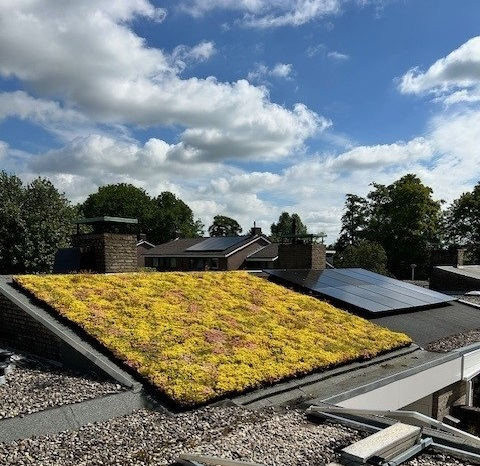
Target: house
x: 142, y: 247
x: 215, y: 253
x: 264, y: 258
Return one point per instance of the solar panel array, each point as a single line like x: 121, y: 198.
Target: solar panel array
x: 363, y: 289
x: 219, y: 243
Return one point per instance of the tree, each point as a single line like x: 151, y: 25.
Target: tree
x: 405, y: 220
x: 49, y: 224
x: 12, y: 223
x: 462, y: 223
x: 121, y: 200
x: 161, y: 219
x: 174, y: 218
x: 36, y: 220
x: 224, y: 226
x: 285, y: 225
x: 354, y: 221
x: 367, y: 255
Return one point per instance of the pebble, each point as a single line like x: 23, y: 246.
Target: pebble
x: 459, y: 340
x: 34, y: 385
x: 270, y: 437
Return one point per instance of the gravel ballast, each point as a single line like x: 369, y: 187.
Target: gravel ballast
x: 459, y: 340
x: 35, y: 385
x: 269, y: 437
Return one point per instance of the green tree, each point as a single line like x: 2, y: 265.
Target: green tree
x: 49, y: 219
x: 354, y: 221
x: 224, y: 226
x: 366, y: 255
x: 35, y: 221
x: 12, y: 223
x: 174, y: 218
x: 405, y: 220
x: 462, y: 223
x: 285, y: 225
x: 122, y: 200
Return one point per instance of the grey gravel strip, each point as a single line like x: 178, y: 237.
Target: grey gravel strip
x: 34, y: 386
x: 269, y: 437
x: 452, y: 342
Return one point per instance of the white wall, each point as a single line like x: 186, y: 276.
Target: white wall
x: 403, y: 392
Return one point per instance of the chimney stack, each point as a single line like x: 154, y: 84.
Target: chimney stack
x: 255, y: 231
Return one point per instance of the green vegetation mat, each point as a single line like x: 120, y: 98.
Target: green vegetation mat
x: 200, y: 336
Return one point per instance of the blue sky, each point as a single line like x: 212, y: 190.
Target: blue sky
x: 244, y: 108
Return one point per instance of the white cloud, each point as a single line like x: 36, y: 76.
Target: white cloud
x: 262, y: 72
x: 282, y: 70
x: 383, y: 155
x: 3, y: 149
x: 454, y: 78
x: 266, y: 13
x: 98, y: 155
x: 337, y: 56
x: 50, y: 115
x: 99, y: 68
x: 184, y: 56
x: 321, y: 50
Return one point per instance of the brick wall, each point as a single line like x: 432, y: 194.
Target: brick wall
x: 107, y: 252
x: 301, y: 256
x: 19, y: 330
x: 446, y: 398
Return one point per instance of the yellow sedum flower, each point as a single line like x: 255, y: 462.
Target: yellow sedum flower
x: 200, y: 336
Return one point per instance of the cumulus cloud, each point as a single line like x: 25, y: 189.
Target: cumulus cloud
x: 100, y: 68
x: 452, y: 79
x: 268, y: 14
x: 98, y: 155
x: 48, y: 114
x: 382, y: 155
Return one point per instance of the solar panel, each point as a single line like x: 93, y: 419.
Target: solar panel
x: 220, y: 243
x: 364, y: 290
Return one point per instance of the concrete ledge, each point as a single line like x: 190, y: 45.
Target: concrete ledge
x: 72, y: 340
x: 71, y: 416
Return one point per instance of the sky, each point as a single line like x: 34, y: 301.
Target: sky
x: 244, y: 108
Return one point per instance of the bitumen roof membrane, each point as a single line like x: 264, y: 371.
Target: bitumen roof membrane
x: 429, y: 325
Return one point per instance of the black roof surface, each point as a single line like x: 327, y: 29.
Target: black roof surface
x: 429, y: 325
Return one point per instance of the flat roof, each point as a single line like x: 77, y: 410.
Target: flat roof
x: 429, y: 325
x: 472, y: 271
x: 91, y: 221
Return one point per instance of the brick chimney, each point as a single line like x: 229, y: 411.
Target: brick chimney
x: 301, y: 256
x: 110, y: 248
x: 255, y: 231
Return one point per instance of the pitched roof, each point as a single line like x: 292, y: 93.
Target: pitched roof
x: 180, y: 247
x: 269, y: 252
x: 174, y: 247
